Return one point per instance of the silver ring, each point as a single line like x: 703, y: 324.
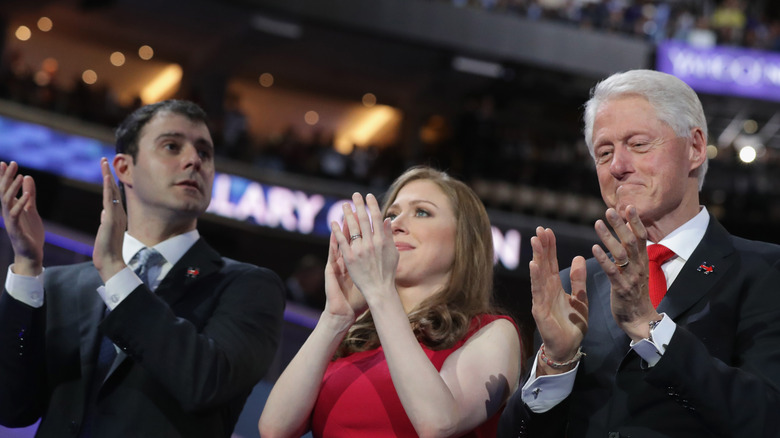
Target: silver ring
x: 115, y: 201
x: 355, y: 236
x: 622, y: 265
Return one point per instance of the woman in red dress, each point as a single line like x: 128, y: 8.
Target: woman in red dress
x: 408, y: 343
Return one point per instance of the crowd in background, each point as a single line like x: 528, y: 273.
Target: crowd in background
x: 482, y: 141
x: 699, y: 22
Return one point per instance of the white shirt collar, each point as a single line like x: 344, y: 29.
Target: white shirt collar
x: 172, y: 249
x: 684, y: 240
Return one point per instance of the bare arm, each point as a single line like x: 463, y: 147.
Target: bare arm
x: 473, y: 382
x: 288, y: 408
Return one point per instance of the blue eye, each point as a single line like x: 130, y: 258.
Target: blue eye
x: 421, y: 213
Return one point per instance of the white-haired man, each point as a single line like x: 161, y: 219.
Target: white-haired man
x: 672, y: 329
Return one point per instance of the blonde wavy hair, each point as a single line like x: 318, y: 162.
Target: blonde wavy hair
x: 444, y: 318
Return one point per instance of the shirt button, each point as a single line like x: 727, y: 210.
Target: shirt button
x: 114, y: 299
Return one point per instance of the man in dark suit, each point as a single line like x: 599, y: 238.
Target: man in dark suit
x: 122, y: 347
x: 706, y: 361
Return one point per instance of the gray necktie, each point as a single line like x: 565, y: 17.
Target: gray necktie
x: 148, y: 265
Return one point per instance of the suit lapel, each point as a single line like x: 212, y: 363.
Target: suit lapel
x: 199, y: 262
x: 691, y: 284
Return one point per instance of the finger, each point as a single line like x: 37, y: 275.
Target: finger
x: 611, y: 244
x: 638, y: 228
x: 10, y: 193
x: 578, y: 275
x: 626, y: 236
x: 536, y: 276
x: 552, y: 250
x: 343, y: 243
x: 609, y: 267
x: 350, y: 221
x: 539, y: 269
x: 362, y: 215
x: 19, y: 205
x: 388, y: 227
x: 374, y: 211
x: 117, y: 194
x: 333, y: 249
x: 108, y: 196
x: 537, y: 248
x: 28, y: 187
x: 8, y: 176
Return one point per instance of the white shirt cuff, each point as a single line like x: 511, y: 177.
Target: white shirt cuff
x: 654, y: 347
x: 118, y: 287
x: 26, y: 289
x: 543, y: 393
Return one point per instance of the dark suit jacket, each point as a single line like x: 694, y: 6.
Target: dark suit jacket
x: 719, y: 375
x: 195, y: 350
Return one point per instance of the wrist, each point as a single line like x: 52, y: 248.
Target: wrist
x: 382, y: 298
x: 338, y: 324
x: 549, y: 365
x: 26, y: 267
x: 640, y: 327
x: 109, y: 270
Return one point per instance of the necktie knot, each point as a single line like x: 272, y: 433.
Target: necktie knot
x: 148, y: 265
x: 657, y: 255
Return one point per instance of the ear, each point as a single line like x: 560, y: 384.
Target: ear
x: 698, y: 150
x: 123, y: 166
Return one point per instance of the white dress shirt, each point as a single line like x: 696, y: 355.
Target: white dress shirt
x: 542, y: 393
x: 29, y: 290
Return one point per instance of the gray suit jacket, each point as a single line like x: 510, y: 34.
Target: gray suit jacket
x: 195, y: 349
x: 720, y: 375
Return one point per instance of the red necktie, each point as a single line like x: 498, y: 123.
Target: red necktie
x: 658, y: 255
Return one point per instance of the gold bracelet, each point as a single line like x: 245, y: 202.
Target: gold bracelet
x: 560, y: 365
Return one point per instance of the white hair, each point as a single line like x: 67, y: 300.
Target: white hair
x: 675, y: 103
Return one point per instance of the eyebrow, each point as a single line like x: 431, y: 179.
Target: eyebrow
x: 200, y: 140
x: 414, y: 202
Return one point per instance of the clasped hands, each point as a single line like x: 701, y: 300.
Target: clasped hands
x: 362, y: 259
x: 562, y: 319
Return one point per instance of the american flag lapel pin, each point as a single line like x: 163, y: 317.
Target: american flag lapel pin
x: 706, y: 268
x: 193, y: 272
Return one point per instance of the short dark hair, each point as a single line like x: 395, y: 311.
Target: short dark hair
x: 129, y: 130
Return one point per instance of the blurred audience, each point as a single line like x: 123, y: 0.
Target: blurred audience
x: 724, y: 22
x: 484, y: 142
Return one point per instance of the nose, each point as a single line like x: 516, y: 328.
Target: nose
x: 398, y: 224
x: 191, y: 157
x: 621, y: 162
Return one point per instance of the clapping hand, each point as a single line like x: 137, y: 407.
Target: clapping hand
x: 22, y: 221
x: 627, y: 271
x: 562, y: 319
x: 107, y: 254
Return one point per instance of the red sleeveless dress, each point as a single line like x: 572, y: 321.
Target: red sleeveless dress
x: 358, y: 399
